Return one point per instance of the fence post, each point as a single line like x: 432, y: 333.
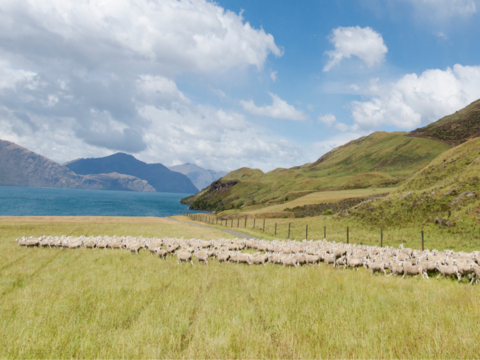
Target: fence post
x: 238, y: 222
x: 324, y: 232
x: 263, y: 225
x: 347, y: 236
x: 288, y: 237
x: 245, y: 221
x: 306, y: 232
x: 423, y: 248
x: 254, y: 223
x: 381, y: 237
x: 231, y: 225
x: 275, y: 229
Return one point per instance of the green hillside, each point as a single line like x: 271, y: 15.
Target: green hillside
x: 378, y: 160
x: 447, y: 189
x: 454, y: 129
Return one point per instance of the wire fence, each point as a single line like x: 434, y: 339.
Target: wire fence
x: 300, y: 229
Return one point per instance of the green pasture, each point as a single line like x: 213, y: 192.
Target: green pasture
x: 112, y: 304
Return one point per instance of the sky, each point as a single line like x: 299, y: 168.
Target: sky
x: 228, y: 84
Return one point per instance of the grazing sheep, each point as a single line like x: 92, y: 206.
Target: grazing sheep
x: 223, y: 256
x: 312, y: 259
x: 447, y: 270
x: 395, y: 268
x: 340, y: 261
x: 161, y: 253
x: 414, y: 270
x: 329, y: 259
x: 289, y: 261
x: 374, y: 267
x: 257, y: 259
x: 354, y: 262
x: 184, y: 256
x: 201, y: 256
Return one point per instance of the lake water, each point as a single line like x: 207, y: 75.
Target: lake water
x: 26, y: 201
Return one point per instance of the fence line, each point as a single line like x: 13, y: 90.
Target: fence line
x: 363, y: 236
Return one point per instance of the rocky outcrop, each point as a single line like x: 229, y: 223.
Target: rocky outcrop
x: 22, y: 167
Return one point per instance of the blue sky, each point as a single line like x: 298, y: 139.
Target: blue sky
x: 228, y: 84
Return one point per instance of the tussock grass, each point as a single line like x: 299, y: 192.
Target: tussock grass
x: 112, y: 304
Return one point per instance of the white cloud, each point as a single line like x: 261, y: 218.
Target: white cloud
x: 173, y: 35
x: 414, y: 100
x: 159, y: 91
x: 166, y: 127
x: 444, y: 8
x: 273, y: 76
x: 328, y: 119
x: 363, y: 43
x: 279, y: 109
x: 96, y: 77
x: 441, y: 35
x: 10, y: 77
x: 342, y: 127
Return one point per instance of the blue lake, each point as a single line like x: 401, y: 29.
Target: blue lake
x: 26, y: 201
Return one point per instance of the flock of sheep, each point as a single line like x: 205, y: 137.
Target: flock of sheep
x: 401, y: 261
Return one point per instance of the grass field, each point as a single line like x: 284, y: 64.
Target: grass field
x: 323, y: 197
x: 112, y: 304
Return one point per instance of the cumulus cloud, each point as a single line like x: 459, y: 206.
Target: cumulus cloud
x: 328, y: 119
x: 364, y: 43
x: 166, y: 125
x: 169, y: 35
x: 88, y: 78
x: 273, y: 76
x: 279, y: 109
x: 417, y: 100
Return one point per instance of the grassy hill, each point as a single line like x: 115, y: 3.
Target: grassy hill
x: 454, y: 129
x: 378, y: 160
x: 446, y: 188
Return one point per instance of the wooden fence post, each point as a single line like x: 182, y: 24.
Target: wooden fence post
x: 238, y: 222
x: 324, y: 232
x: 306, y: 232
x: 275, y: 229
x: 347, y: 236
x: 423, y: 247
x: 245, y: 221
x: 254, y: 223
x: 288, y: 237
x: 263, y: 225
x: 381, y: 237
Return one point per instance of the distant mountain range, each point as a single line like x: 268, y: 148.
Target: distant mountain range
x: 200, y: 177
x: 157, y: 175
x: 22, y: 167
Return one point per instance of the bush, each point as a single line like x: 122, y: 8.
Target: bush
x: 328, y: 212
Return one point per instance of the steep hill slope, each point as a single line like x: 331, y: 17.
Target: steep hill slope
x: 378, y: 160
x: 157, y: 175
x: 446, y: 189
x: 200, y: 177
x: 454, y: 129
x: 22, y: 167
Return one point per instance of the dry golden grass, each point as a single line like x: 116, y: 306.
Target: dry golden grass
x: 112, y: 304
x: 323, y: 197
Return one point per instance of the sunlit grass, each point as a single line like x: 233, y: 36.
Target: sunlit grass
x: 112, y: 304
